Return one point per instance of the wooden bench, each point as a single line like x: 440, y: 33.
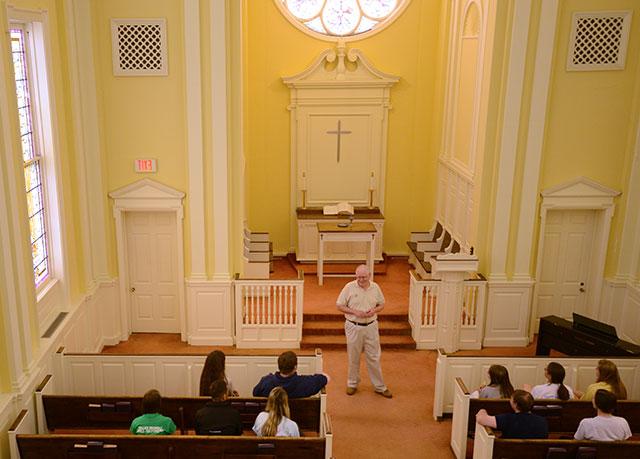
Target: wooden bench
x: 487, y: 445
x: 562, y: 416
x: 74, y: 412
x: 26, y: 444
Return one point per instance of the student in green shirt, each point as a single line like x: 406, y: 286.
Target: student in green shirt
x: 152, y: 422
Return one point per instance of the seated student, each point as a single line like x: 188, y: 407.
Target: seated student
x: 214, y: 369
x: 605, y: 426
x: 554, y: 388
x: 499, y: 384
x: 152, y: 422
x: 521, y: 424
x: 218, y: 417
x: 297, y: 386
x: 607, y: 378
x: 275, y: 422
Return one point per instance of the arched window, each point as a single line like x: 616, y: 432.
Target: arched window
x: 346, y: 19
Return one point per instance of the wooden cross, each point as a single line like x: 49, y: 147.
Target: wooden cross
x: 338, y: 133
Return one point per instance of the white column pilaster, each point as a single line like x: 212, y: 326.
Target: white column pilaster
x: 535, y: 138
x: 195, y: 138
x: 219, y: 121
x: 86, y: 133
x: 509, y: 140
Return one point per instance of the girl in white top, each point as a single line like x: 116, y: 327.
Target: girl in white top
x: 554, y: 388
x: 605, y: 426
x: 275, y: 422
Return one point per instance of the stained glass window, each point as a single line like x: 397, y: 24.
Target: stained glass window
x: 31, y: 156
x: 342, y: 18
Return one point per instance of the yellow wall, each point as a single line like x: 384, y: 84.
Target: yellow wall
x: 593, y: 117
x: 408, y: 48
x: 142, y: 117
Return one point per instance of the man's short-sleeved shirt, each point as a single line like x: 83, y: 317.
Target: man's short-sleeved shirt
x: 603, y: 428
x: 522, y: 425
x: 355, y: 297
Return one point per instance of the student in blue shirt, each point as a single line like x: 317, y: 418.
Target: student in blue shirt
x: 520, y: 424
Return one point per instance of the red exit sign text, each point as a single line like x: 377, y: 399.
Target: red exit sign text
x: 145, y: 165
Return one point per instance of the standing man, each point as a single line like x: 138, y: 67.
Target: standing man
x: 361, y: 300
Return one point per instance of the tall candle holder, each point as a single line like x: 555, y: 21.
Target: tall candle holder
x: 370, y: 198
x: 304, y: 199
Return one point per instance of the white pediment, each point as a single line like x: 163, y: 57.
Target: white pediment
x: 147, y: 194
x: 580, y: 187
x: 343, y: 68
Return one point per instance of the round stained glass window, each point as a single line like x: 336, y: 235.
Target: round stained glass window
x: 346, y: 19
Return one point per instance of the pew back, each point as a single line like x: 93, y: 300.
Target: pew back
x: 487, y: 446
x: 169, y: 447
x: 82, y: 412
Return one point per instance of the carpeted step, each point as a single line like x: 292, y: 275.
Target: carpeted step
x: 340, y: 317
x: 337, y: 328
x: 339, y: 342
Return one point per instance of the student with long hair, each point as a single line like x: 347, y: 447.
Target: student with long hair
x: 212, y: 371
x: 499, y: 384
x: 554, y: 387
x: 607, y: 378
x: 275, y: 422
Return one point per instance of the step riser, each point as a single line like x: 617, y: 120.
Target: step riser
x: 304, y: 345
x: 334, y: 332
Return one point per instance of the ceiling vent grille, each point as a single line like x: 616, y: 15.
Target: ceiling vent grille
x: 599, y: 40
x: 139, y: 47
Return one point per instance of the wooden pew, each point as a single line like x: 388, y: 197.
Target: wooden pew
x: 487, y: 445
x: 26, y: 444
x: 74, y: 412
x: 562, y: 416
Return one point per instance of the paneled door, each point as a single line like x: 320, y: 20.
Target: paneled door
x: 564, y: 275
x: 153, y: 275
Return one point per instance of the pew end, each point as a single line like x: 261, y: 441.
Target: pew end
x: 24, y: 423
x: 460, y: 420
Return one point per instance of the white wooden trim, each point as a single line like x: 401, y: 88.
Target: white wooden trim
x: 535, y: 138
x: 509, y: 141
x: 629, y: 254
x: 87, y: 139
x: 220, y: 145
x: 195, y: 137
x: 580, y: 193
x: 147, y: 195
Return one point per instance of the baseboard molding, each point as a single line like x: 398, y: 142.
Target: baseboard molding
x: 505, y: 342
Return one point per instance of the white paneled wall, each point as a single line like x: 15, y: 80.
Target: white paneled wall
x: 620, y: 307
x: 172, y: 375
x: 580, y: 372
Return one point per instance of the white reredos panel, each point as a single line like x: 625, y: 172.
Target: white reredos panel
x: 339, y: 109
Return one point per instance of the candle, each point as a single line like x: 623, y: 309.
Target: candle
x: 372, y: 182
x: 303, y: 181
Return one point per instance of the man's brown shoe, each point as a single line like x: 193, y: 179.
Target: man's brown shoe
x: 386, y: 393
x: 351, y: 390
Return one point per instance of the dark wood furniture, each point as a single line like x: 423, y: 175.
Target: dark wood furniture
x: 560, y: 334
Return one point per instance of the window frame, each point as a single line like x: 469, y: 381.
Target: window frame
x: 298, y: 23
x: 51, y: 294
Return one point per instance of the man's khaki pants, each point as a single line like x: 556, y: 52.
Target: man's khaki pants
x: 367, y: 339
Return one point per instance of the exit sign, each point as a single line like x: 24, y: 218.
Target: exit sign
x: 145, y: 165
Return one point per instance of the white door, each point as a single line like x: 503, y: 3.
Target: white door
x: 564, y: 274
x: 153, y: 271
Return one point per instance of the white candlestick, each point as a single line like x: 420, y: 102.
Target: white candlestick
x: 303, y: 181
x: 372, y: 182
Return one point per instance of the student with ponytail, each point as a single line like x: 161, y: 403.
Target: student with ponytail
x: 554, y: 388
x: 275, y: 422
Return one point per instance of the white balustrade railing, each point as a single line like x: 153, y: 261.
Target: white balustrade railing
x: 423, y: 312
x: 474, y: 294
x: 268, y: 313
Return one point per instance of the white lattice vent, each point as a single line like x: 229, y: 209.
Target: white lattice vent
x: 599, y: 40
x: 139, y: 47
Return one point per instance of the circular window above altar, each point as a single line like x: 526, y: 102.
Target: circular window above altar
x: 341, y: 19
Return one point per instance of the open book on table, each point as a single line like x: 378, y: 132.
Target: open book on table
x: 342, y: 208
